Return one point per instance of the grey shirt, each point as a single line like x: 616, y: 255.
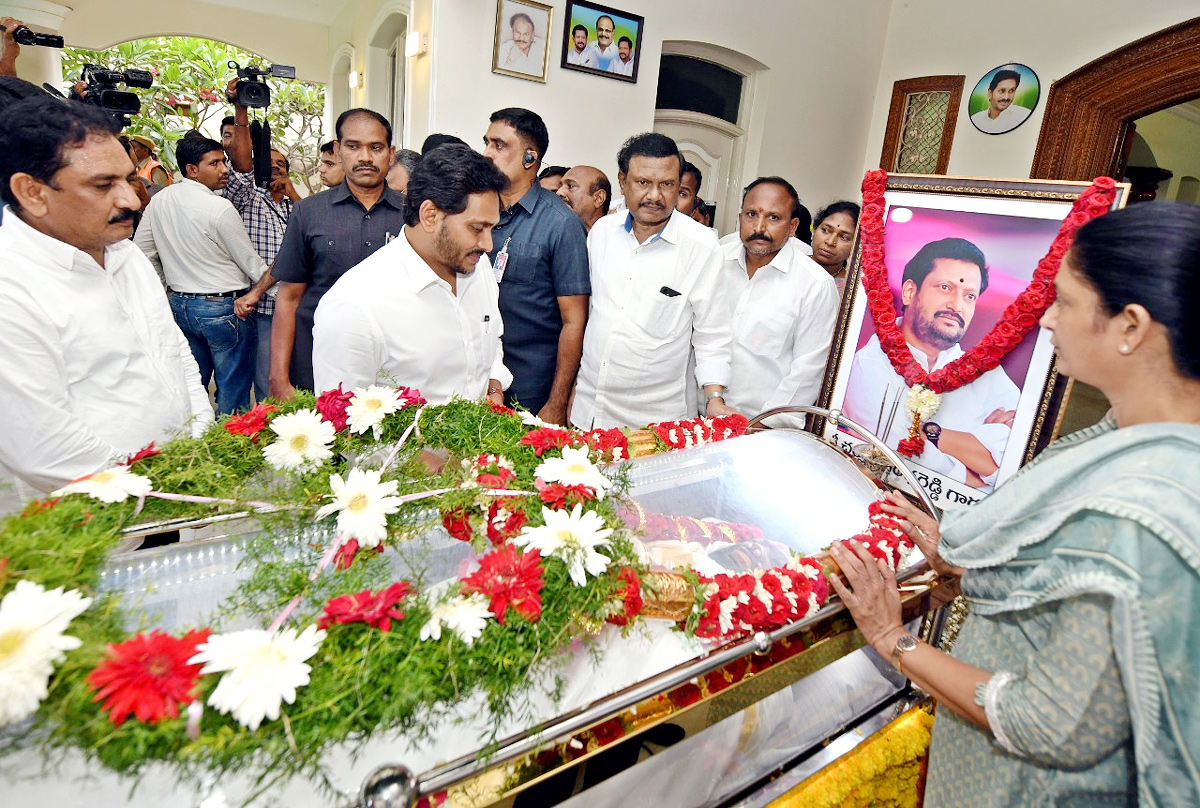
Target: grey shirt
x: 327, y: 234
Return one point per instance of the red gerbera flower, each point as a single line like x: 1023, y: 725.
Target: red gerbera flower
x: 510, y: 578
x: 564, y: 497
x: 148, y: 675
x: 141, y: 454
x: 251, y: 422
x: 332, y: 406
x: 547, y: 438
x: 376, y: 610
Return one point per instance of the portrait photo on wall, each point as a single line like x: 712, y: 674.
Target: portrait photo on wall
x: 522, y: 46
x: 1004, y: 99
x: 966, y: 270
x: 602, y: 41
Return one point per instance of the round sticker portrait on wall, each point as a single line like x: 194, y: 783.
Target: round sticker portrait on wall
x: 1004, y: 98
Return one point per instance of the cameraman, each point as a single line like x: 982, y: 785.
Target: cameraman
x: 10, y: 49
x: 265, y: 213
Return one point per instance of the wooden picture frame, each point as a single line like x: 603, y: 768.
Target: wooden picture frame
x: 1013, y: 223
x: 521, y: 22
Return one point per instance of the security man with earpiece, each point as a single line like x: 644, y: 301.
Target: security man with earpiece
x: 539, y: 255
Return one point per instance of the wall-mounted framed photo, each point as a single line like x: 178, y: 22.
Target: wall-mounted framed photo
x: 956, y: 253
x: 602, y: 41
x: 1004, y: 99
x: 522, y: 46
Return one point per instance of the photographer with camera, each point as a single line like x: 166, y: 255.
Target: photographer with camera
x: 265, y: 213
x: 10, y: 49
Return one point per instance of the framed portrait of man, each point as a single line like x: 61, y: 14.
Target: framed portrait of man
x: 602, y: 41
x: 1003, y: 99
x: 522, y: 39
x: 957, y: 277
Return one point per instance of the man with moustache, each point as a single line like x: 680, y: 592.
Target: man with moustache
x: 782, y: 305
x: 526, y: 51
x: 623, y: 64
x: 540, y: 259
x: 656, y: 300
x: 328, y: 233
x: 603, y: 51
x: 965, y: 440
x: 209, y: 265
x: 580, y: 55
x: 1002, y: 115
x: 588, y: 192
x: 423, y: 310
x: 94, y: 366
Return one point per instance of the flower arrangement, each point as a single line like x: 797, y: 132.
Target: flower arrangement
x: 1018, y: 320
x: 345, y: 651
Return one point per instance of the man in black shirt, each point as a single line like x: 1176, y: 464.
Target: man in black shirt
x: 327, y: 234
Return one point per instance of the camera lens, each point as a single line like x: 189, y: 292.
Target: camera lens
x: 253, y: 94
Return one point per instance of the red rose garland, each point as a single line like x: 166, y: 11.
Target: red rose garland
x: 1019, y: 319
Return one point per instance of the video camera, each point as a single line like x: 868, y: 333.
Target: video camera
x: 26, y: 36
x: 102, y: 90
x: 252, y: 90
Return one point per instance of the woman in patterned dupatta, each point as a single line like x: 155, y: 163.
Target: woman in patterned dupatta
x: 1076, y: 678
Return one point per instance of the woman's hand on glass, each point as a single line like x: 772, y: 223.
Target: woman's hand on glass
x: 922, y: 529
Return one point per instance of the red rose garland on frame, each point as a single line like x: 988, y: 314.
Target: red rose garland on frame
x: 1019, y: 319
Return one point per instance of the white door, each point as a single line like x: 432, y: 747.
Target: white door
x: 712, y: 145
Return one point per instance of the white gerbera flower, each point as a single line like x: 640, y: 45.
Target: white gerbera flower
x: 32, y: 642
x: 302, y: 443
x: 111, y: 485
x: 369, y: 406
x: 574, y: 468
x: 466, y: 617
x: 363, y: 502
x: 262, y: 670
x: 572, y: 537
x: 529, y: 419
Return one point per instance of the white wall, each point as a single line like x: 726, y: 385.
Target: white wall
x: 937, y: 37
x: 823, y: 66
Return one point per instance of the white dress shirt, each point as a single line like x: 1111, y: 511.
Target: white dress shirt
x: 782, y: 321
x: 873, y: 380
x: 197, y: 241
x: 603, y: 57
x: 639, y: 333
x: 621, y: 68
x: 512, y: 57
x: 1009, y: 118
x: 391, y: 319
x: 584, y: 58
x: 92, y: 365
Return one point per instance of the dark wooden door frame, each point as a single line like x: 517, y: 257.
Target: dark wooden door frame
x: 1088, y: 111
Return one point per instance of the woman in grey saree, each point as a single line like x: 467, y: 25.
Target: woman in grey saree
x: 1076, y: 678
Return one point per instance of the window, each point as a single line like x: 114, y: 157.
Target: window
x: 688, y: 83
x: 920, y: 126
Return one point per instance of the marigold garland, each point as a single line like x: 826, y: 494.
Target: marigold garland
x: 1018, y: 320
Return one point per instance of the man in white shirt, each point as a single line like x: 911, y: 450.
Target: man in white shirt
x: 580, y: 54
x: 623, y: 64
x: 525, y: 52
x: 782, y: 305
x: 1002, y: 115
x: 208, y: 262
x: 94, y: 367
x: 604, y: 51
x: 656, y: 298
x: 423, y: 310
x: 966, y: 437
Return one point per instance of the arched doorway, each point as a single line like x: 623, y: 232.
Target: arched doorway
x: 1088, y: 112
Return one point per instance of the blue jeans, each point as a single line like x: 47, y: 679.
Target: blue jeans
x: 262, y: 365
x: 222, y: 343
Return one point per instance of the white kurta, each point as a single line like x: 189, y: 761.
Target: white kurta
x: 391, y: 320
x: 92, y: 365
x: 873, y: 380
x: 513, y: 58
x: 782, y: 321
x: 652, y: 304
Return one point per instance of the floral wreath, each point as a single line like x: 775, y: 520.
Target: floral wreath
x: 1019, y: 319
x: 555, y: 562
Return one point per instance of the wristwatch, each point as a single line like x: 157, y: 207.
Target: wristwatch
x: 906, y: 643
x: 932, y: 432
x: 715, y: 394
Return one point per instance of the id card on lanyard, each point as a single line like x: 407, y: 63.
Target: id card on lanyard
x: 501, y: 260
